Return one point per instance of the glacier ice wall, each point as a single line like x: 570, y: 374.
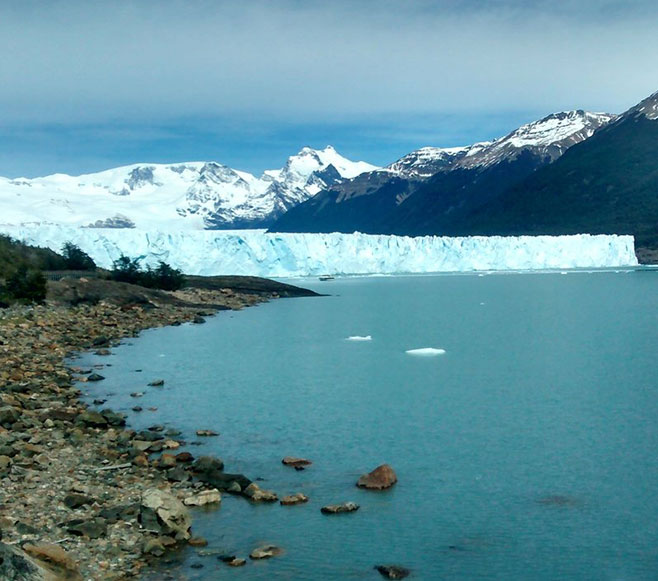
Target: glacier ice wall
x: 254, y: 252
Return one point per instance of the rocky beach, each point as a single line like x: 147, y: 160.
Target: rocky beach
x: 82, y: 496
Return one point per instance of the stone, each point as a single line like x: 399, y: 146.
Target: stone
x: 95, y: 377
x: 206, y: 433
x: 113, y: 418
x: 156, y: 428
x: 339, y: 508
x: 53, y: 555
x: 197, y: 542
x: 124, y: 512
x: 177, y: 474
x: 153, y: 547
x: 17, y: 565
x: 237, y: 562
x: 185, y: 457
x: 295, y: 462
x: 297, y: 498
x: 170, y: 511
x: 393, y: 571
x: 9, y: 415
x: 165, y: 462
x: 156, y: 383
x: 202, y: 498
x: 137, y: 408
x: 92, y: 419
x: 93, y: 528
x: 207, y: 464
x: 148, y: 436
x: 265, y: 552
x: 380, y: 478
x: 74, y: 500
x: 257, y: 494
x: 198, y: 320
x: 137, y: 394
x: 5, y: 464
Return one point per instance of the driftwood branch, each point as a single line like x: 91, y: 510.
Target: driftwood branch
x: 114, y: 467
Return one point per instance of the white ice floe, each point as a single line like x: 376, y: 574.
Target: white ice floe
x: 359, y: 338
x: 426, y: 351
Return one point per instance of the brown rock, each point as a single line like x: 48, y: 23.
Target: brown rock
x: 297, y: 498
x: 207, y: 433
x: 295, y: 462
x: 380, y: 478
x: 197, y: 542
x: 339, y: 508
x: 53, y: 555
x: 257, y: 494
x: 184, y: 457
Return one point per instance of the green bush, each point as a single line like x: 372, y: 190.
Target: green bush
x: 164, y: 277
x: 76, y: 259
x: 125, y: 269
x: 26, y: 285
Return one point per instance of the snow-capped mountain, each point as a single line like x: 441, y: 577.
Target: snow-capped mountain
x: 421, y: 192
x: 192, y: 195
x: 548, y: 138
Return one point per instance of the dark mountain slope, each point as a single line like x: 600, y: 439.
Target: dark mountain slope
x: 606, y: 185
x: 426, y: 190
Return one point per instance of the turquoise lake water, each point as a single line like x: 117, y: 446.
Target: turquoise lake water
x: 529, y: 450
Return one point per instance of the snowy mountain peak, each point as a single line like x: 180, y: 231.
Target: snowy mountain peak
x: 182, y: 196
x: 548, y: 137
x: 427, y: 161
x: 647, y: 107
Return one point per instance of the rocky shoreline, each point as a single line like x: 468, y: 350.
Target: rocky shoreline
x: 81, y: 495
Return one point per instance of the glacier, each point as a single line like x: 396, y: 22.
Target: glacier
x: 258, y: 253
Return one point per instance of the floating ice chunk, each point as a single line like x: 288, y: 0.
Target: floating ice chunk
x: 426, y: 352
x: 359, y: 338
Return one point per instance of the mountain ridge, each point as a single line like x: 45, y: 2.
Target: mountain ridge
x: 402, y: 196
x: 201, y: 194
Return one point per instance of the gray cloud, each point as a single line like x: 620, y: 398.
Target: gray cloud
x: 99, y: 61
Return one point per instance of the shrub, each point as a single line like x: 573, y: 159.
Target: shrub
x: 163, y: 277
x: 125, y: 269
x: 77, y: 259
x: 26, y: 285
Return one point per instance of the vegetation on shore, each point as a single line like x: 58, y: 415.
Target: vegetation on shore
x: 162, y: 277
x: 22, y: 268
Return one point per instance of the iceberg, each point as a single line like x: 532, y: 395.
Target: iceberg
x: 426, y: 352
x: 258, y: 253
x: 359, y: 338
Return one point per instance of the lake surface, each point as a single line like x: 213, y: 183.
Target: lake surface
x: 529, y: 450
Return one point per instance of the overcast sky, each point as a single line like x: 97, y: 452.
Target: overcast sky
x: 88, y: 85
